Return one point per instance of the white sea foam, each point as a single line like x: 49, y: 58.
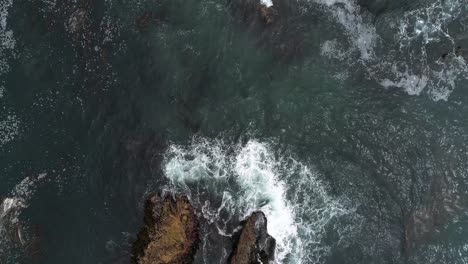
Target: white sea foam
x: 11, y: 208
x: 9, y: 129
x: 7, y: 41
x: 442, y: 253
x: 363, y: 36
x: 256, y: 172
x: 411, y: 83
x: 10, y: 204
x: 332, y: 50
x: 266, y: 3
x: 249, y: 177
x: 410, y: 67
x: 9, y: 126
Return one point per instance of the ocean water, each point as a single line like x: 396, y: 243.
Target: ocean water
x: 345, y: 122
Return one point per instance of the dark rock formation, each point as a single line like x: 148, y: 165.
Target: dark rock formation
x: 253, y: 12
x: 254, y: 245
x: 143, y: 21
x: 33, y: 247
x: 170, y: 232
x: 276, y: 27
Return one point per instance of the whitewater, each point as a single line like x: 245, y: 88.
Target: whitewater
x: 243, y: 178
x: 402, y: 51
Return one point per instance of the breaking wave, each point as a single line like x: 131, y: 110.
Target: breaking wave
x: 238, y: 179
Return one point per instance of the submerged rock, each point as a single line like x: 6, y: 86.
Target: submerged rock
x: 170, y: 232
x: 143, y: 21
x: 254, y: 12
x: 267, y: 14
x: 443, y: 205
x: 255, y: 245
x: 276, y: 27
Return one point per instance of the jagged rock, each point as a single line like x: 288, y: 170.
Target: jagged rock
x: 275, y: 27
x: 253, y: 12
x: 254, y: 245
x: 267, y: 14
x: 170, y: 232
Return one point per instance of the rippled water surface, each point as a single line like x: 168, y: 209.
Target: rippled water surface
x: 345, y: 121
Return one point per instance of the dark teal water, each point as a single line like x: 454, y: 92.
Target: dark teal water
x: 340, y: 120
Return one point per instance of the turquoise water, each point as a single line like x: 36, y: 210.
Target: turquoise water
x: 340, y: 121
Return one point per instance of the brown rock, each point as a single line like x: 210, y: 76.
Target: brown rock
x: 267, y: 14
x: 253, y: 12
x: 254, y: 245
x: 170, y: 232
x: 276, y: 28
x: 144, y: 20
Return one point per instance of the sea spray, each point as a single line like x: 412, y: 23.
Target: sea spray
x: 9, y: 129
x: 267, y: 3
x: 256, y: 171
x: 244, y: 178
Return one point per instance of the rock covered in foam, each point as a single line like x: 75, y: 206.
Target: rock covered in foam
x: 10, y: 209
x: 170, y: 232
x: 254, y: 245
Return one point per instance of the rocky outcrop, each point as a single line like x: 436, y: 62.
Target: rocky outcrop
x: 170, y: 232
x: 253, y: 12
x: 276, y: 27
x: 171, y: 235
x: 254, y: 245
